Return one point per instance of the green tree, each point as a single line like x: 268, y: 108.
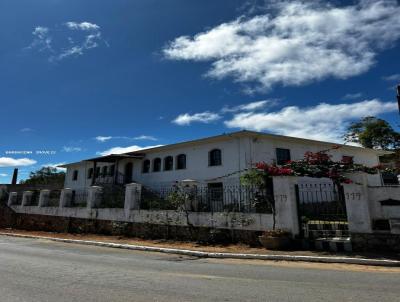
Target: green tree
x: 372, y: 132
x: 45, y: 176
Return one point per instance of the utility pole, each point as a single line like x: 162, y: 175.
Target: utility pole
x: 398, y: 96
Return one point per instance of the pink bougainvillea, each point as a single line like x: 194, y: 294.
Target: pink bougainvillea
x: 315, y: 164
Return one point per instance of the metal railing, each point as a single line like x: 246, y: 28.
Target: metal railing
x: 18, y: 200
x: 110, y: 179
x: 34, y: 198
x: 112, y: 197
x: 321, y: 210
x: 233, y: 198
x: 79, y: 198
x: 54, y: 198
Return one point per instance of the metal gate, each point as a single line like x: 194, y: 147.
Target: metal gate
x: 321, y: 210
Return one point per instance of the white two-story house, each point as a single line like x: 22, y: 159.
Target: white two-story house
x: 217, y: 160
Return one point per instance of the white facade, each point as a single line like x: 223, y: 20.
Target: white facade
x: 239, y: 150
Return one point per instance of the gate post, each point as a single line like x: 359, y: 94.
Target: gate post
x: 94, y: 197
x: 358, y: 212
x: 26, y: 198
x: 286, y: 203
x: 44, y: 198
x: 132, y: 197
x: 66, y: 198
x: 12, y: 198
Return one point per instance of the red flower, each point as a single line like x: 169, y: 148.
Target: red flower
x: 261, y: 166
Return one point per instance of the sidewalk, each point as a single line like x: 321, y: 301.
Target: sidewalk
x: 233, y: 251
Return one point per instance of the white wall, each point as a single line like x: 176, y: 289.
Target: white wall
x: 238, y: 153
x: 83, y: 170
x: 377, y: 194
x: 235, y: 157
x: 363, y: 205
x: 264, y: 149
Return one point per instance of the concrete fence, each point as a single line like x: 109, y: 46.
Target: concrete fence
x: 371, y: 210
x: 373, y: 214
x: 285, y: 202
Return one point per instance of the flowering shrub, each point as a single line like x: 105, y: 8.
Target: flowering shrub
x: 314, y: 164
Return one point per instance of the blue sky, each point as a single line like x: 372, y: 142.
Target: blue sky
x: 150, y: 72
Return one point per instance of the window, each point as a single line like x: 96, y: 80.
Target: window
x: 168, y: 163
x: 90, y: 173
x: 112, y: 170
x: 282, y: 156
x: 97, y: 172
x: 157, y: 165
x: 146, y: 166
x: 215, y: 158
x: 181, y: 162
x: 347, y: 159
x: 75, y: 175
x: 104, y: 171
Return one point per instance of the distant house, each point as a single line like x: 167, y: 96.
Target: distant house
x: 214, y: 161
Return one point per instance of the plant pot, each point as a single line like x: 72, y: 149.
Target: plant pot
x: 275, y: 243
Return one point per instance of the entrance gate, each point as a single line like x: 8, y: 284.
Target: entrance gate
x: 321, y: 210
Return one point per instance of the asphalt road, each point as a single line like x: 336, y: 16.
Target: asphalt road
x: 38, y: 270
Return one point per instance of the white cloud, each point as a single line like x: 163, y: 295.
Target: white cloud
x: 26, y: 130
x: 352, y: 96
x: 120, y: 150
x: 297, y: 42
x: 82, y: 26
x: 16, y: 162
x: 56, y: 166
x: 103, y: 139
x: 72, y: 149
x: 392, y: 78
x: 76, y: 40
x: 3, y: 175
x: 203, y: 117
x: 145, y: 137
x: 41, y: 39
x: 249, y: 106
x: 322, y: 122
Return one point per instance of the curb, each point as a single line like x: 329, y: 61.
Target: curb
x: 320, y: 259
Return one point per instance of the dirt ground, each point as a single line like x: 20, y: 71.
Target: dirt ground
x: 231, y: 248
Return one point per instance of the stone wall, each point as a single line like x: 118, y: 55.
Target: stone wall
x: 375, y: 242
x: 34, y: 222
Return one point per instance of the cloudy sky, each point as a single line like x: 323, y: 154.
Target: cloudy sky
x: 80, y: 78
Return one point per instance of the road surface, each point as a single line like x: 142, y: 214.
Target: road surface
x: 39, y: 270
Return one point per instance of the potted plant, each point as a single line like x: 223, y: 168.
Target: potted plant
x: 275, y: 239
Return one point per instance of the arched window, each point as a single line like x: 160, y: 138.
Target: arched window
x: 146, y: 166
x: 75, y: 175
x: 181, y: 162
x: 97, y: 172
x: 112, y: 170
x: 104, y: 171
x: 168, y: 163
x: 157, y: 165
x: 90, y: 173
x: 214, y: 157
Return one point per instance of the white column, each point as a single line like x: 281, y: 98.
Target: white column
x: 94, y: 197
x: 65, y: 198
x: 26, y: 198
x: 44, y: 198
x: 133, y: 192
x: 12, y: 198
x: 358, y: 212
x: 286, y: 203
